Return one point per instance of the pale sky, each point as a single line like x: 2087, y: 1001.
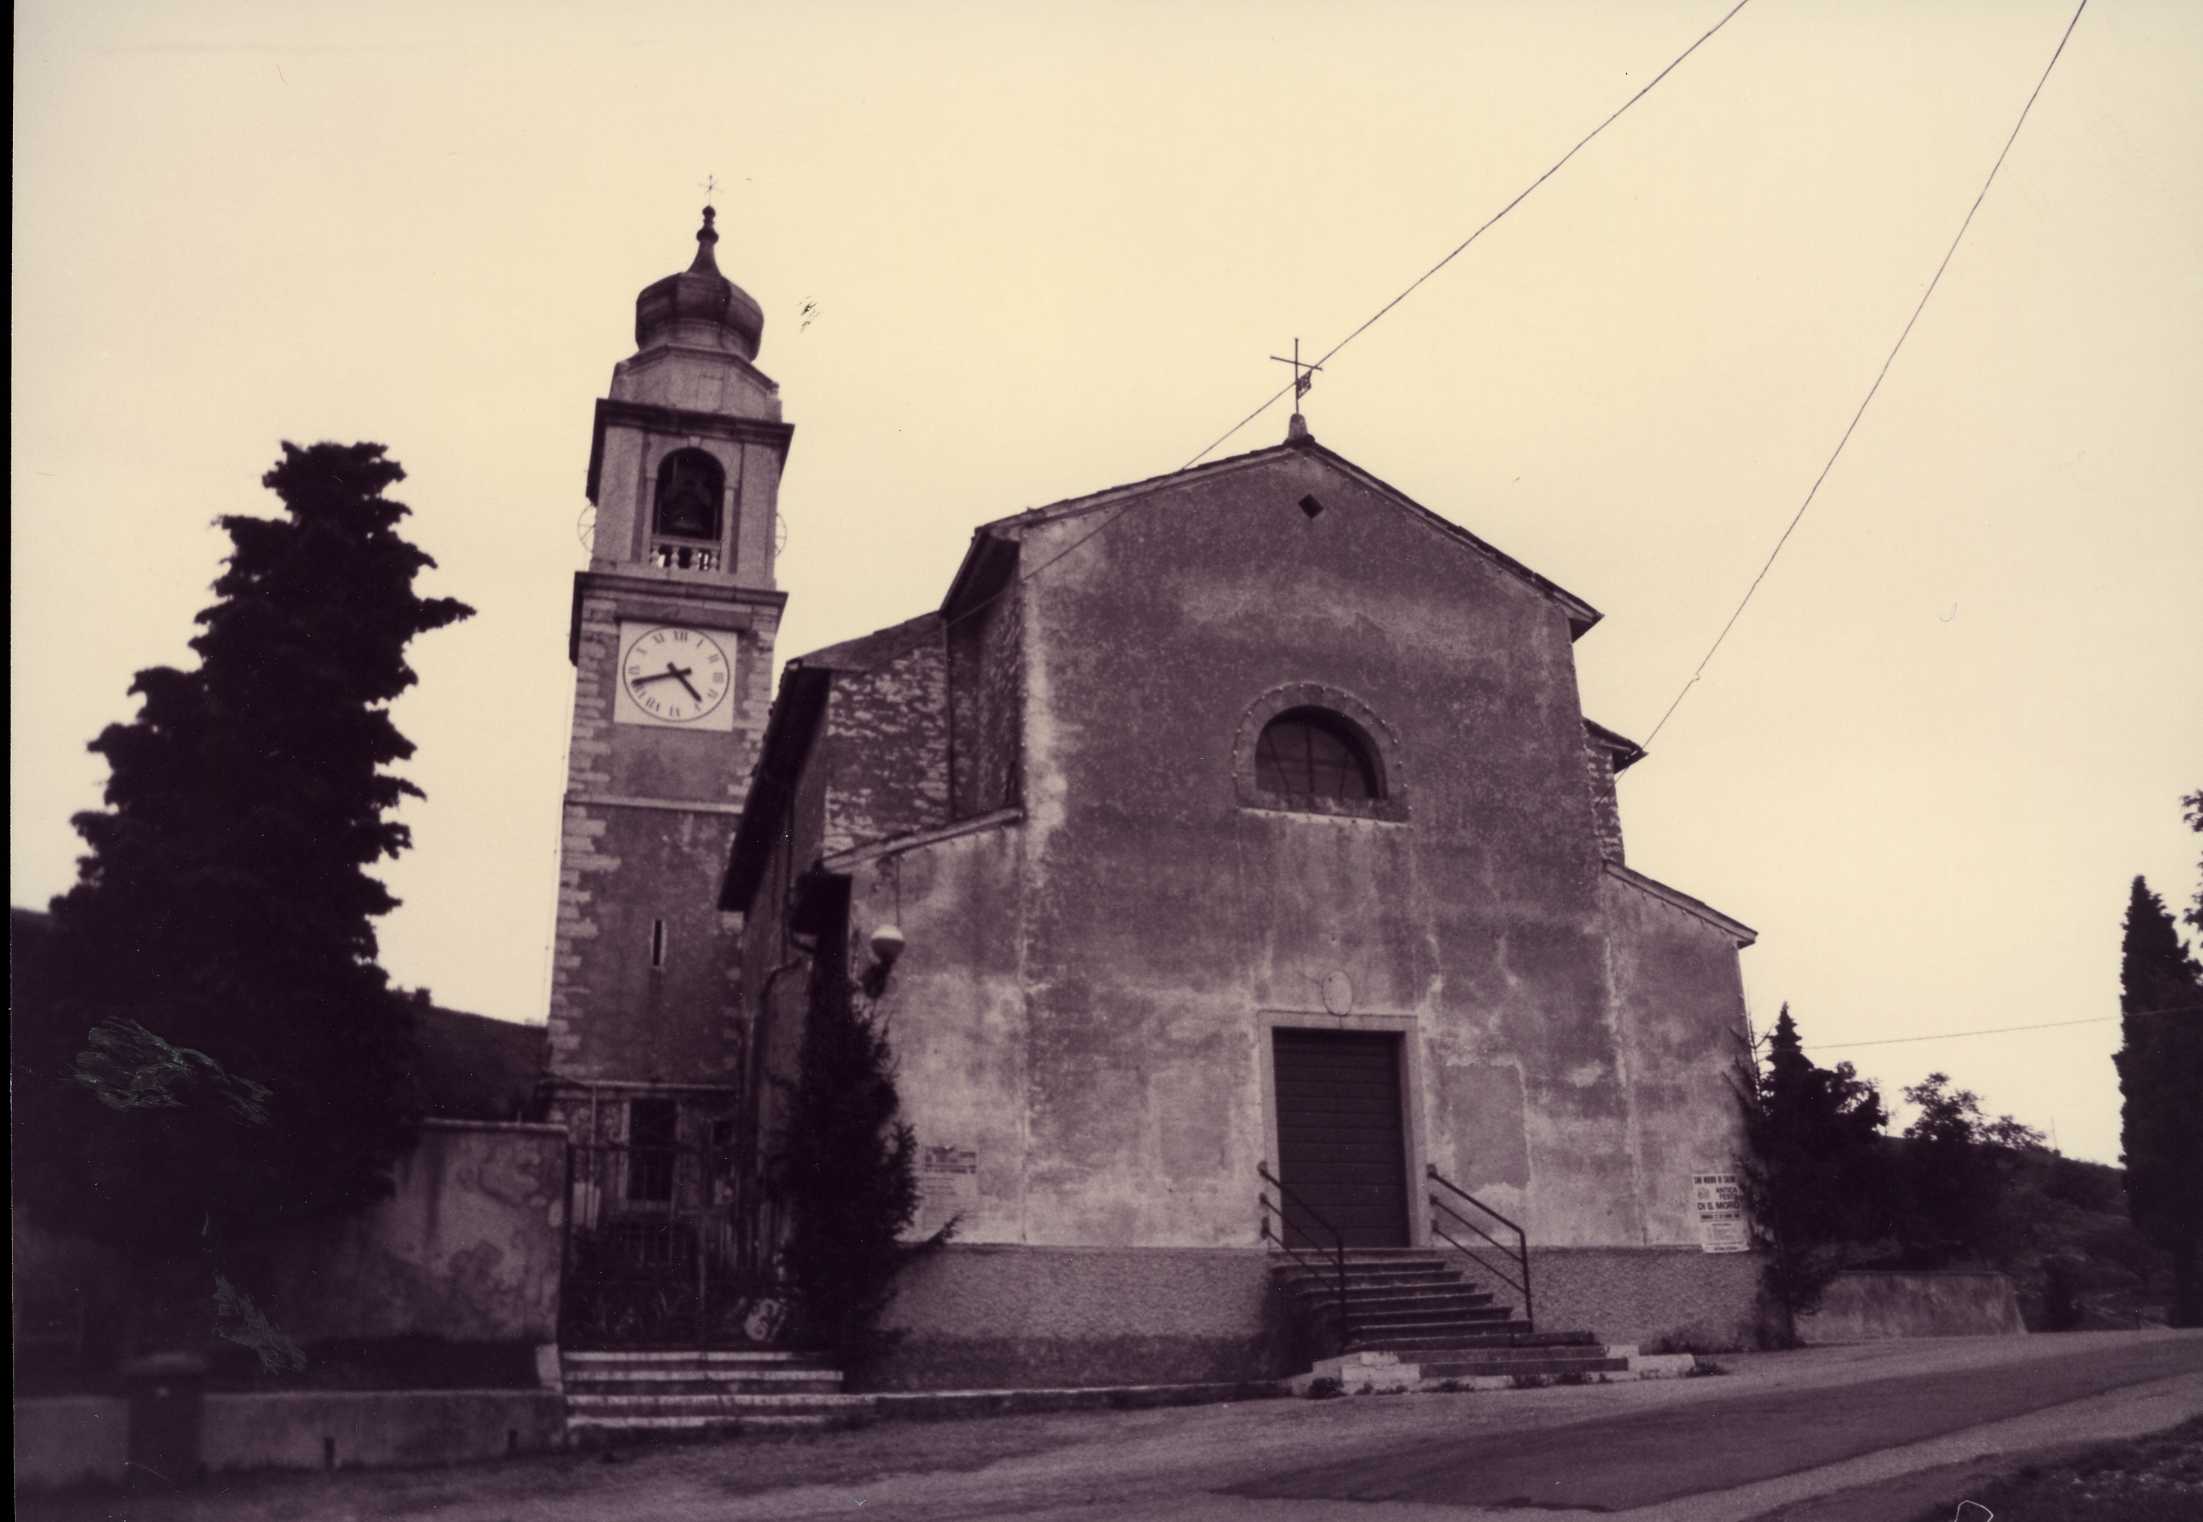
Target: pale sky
x: 1050, y: 250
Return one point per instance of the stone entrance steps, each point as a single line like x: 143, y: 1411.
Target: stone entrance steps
x: 1412, y: 1312
x: 701, y: 1391
x: 1400, y: 1298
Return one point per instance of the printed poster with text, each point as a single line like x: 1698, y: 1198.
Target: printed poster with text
x: 1718, y: 1196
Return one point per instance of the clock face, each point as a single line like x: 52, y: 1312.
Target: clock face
x: 674, y: 675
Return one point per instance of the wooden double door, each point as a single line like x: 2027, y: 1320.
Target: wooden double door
x: 1341, y: 1136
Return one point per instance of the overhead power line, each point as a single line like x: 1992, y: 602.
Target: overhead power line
x: 1462, y: 247
x: 1921, y: 306
x: 2004, y: 1030
x: 1375, y: 317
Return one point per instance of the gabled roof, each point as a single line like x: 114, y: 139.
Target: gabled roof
x: 869, y: 650
x: 989, y: 563
x: 983, y: 558
x: 1743, y: 934
x: 1625, y: 751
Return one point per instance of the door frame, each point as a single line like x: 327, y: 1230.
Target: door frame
x: 1408, y: 1028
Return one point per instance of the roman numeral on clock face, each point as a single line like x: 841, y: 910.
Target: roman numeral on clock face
x: 676, y: 676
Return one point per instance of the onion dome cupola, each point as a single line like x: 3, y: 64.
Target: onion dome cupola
x: 699, y: 307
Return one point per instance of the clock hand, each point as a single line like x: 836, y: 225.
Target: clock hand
x: 670, y: 674
x: 680, y: 673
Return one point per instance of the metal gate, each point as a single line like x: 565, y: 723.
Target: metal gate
x: 664, y: 1247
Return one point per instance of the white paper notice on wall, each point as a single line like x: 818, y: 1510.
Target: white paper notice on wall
x: 948, y: 1186
x: 1718, y: 1196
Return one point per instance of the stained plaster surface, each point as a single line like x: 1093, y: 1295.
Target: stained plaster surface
x: 466, y: 1250
x: 1087, y: 997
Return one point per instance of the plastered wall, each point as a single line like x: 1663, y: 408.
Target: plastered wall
x: 466, y: 1250
x: 1083, y: 1012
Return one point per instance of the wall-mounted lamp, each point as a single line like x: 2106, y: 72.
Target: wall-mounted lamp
x: 887, y: 946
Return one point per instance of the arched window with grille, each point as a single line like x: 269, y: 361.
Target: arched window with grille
x: 1314, y: 753
x: 1308, y: 748
x: 686, y: 514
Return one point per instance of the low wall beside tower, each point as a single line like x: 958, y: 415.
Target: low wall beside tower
x: 466, y: 1250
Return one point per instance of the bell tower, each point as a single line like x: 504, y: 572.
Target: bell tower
x: 671, y: 637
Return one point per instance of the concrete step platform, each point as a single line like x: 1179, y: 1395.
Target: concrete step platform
x: 700, y: 1392
x: 1389, y: 1284
x: 1408, y: 1296
x: 713, y: 1405
x: 1401, y: 1318
x: 1380, y: 1370
x: 823, y: 1384
x: 591, y: 1424
x: 1488, y: 1334
x: 762, y: 1376
x: 595, y: 1431
x: 1563, y: 1352
x: 1410, y: 1320
x: 1474, y: 1344
x: 715, y: 1357
x: 1426, y: 1332
x: 1548, y: 1363
x: 1315, y: 1297
x: 1325, y: 1272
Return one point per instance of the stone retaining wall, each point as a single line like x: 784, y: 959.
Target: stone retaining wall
x: 1870, y: 1306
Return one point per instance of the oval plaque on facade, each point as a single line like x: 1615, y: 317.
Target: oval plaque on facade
x: 1338, y: 993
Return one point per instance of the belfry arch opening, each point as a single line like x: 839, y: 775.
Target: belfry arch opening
x: 687, y: 515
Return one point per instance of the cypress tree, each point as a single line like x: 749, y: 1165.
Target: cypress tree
x: 1812, y: 1174
x: 223, y: 1054
x: 2160, y: 1063
x: 846, y: 1174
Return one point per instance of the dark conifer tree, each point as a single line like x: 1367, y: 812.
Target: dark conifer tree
x: 2160, y: 1062
x: 846, y: 1175
x: 225, y: 1055
x: 1813, y: 1179
x: 2192, y: 807
x: 1958, y: 1168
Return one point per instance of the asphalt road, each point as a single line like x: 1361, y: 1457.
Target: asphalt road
x: 1868, y: 1433
x: 1610, y: 1464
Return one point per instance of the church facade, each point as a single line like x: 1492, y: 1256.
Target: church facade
x: 1253, y: 869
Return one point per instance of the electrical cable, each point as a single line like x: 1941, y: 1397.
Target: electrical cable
x: 1372, y: 320
x: 1880, y: 375
x: 2005, y: 1030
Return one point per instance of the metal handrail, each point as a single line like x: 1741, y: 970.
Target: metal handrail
x: 1338, y: 1240
x: 1520, y: 1252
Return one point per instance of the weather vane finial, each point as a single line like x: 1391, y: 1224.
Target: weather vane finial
x: 711, y: 185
